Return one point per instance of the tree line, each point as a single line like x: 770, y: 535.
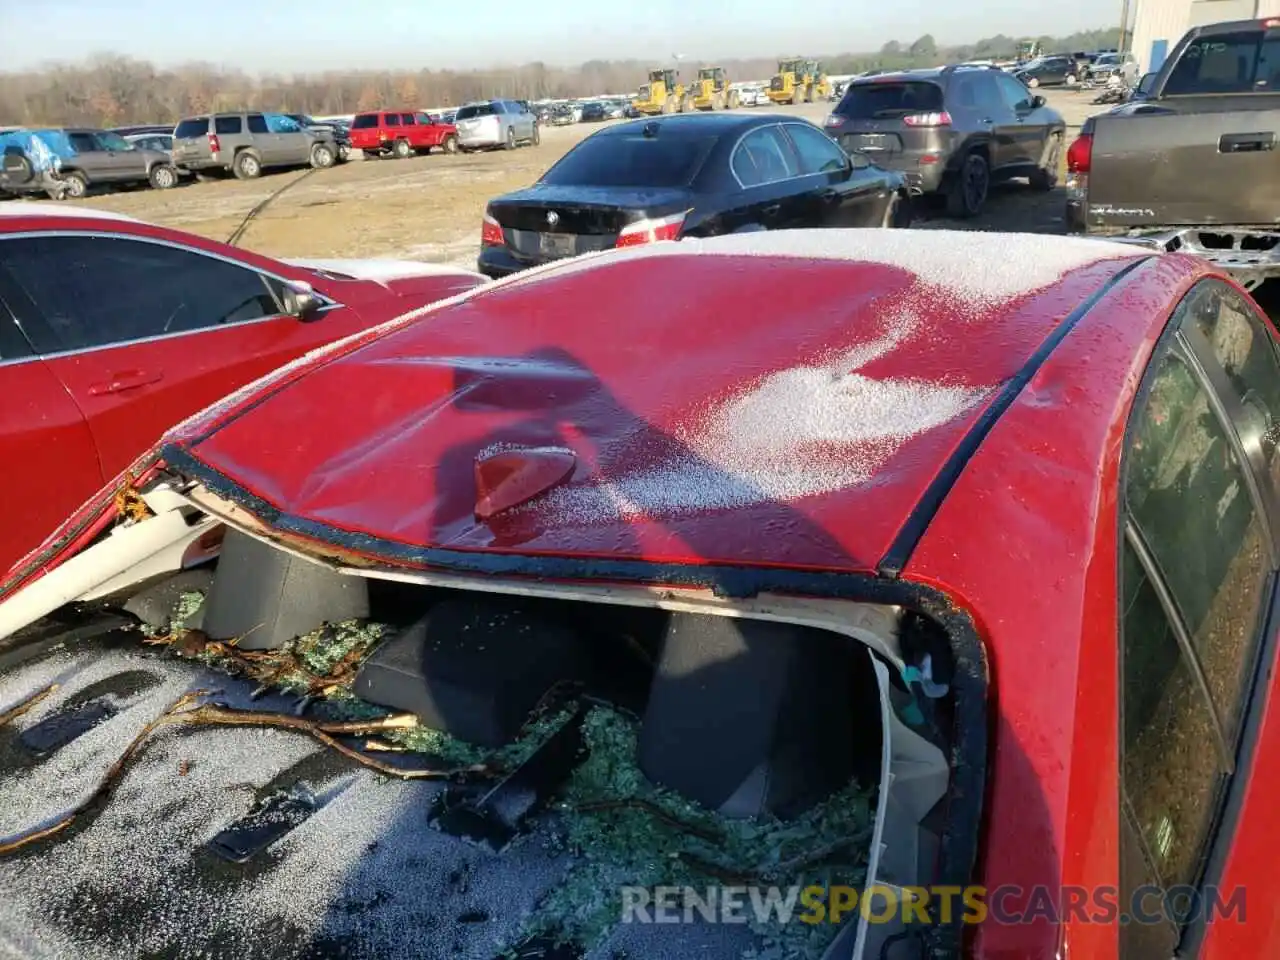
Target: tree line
x: 109, y: 90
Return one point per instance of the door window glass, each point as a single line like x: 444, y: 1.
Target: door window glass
x: 406, y: 119
x: 94, y: 291
x: 225, y: 126
x: 1246, y: 61
x: 391, y: 120
x: 194, y: 127
x: 280, y: 123
x: 763, y: 157
x: 1242, y: 342
x: 818, y: 153
x: 1187, y: 492
x: 1171, y: 769
x: 82, y: 142
x: 1191, y: 611
x: 1016, y: 96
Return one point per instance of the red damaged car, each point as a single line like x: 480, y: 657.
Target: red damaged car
x: 112, y: 330
x: 932, y: 605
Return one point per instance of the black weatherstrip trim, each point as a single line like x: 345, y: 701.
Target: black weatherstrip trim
x: 904, y: 544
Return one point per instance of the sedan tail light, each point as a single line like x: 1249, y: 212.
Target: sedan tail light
x: 214, y: 145
x: 651, y: 231
x: 491, y: 232
x: 938, y: 118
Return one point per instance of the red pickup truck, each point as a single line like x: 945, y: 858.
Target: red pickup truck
x: 401, y: 133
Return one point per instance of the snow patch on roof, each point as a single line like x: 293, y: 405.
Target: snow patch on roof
x: 800, y: 432
x: 976, y: 266
x: 64, y: 210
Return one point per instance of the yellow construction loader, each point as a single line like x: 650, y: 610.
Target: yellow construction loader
x: 712, y: 91
x: 799, y: 81
x: 664, y: 93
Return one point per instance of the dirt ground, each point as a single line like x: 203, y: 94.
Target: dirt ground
x: 429, y: 208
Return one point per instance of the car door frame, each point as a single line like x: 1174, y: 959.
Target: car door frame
x: 294, y: 145
x: 843, y: 198
x: 996, y: 123
x: 75, y: 479
x: 50, y: 349
x: 127, y: 165
x: 1020, y: 155
x: 774, y: 205
x: 1259, y: 688
x: 97, y: 165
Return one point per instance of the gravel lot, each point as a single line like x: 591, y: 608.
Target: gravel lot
x: 429, y: 208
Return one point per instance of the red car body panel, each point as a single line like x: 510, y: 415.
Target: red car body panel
x: 70, y: 429
x: 438, y: 392
x: 1025, y: 541
x: 50, y: 461
x: 1044, y: 481
x: 420, y: 136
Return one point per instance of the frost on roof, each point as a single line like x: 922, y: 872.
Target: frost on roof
x: 806, y: 430
x: 979, y: 267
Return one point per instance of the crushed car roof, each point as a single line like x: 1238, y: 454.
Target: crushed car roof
x: 776, y: 399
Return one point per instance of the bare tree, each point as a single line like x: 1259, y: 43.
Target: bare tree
x: 109, y: 89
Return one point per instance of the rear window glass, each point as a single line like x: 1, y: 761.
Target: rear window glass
x: 195, y: 127
x: 364, y: 121
x: 476, y: 110
x: 1247, y: 61
x: 870, y: 101
x: 623, y: 160
x: 226, y: 125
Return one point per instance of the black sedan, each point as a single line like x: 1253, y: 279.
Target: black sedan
x: 1048, y: 72
x: 594, y: 111
x: 688, y: 175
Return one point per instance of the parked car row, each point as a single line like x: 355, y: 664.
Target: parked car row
x: 68, y: 162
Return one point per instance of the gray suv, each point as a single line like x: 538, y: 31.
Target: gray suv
x: 249, y: 142
x: 93, y: 158
x: 952, y: 131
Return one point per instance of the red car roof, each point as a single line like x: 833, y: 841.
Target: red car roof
x: 719, y: 407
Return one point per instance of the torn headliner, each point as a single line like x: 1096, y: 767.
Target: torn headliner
x: 726, y: 427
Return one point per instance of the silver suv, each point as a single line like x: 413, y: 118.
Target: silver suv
x: 496, y: 123
x: 248, y: 143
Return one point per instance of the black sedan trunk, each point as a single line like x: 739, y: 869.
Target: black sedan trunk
x: 549, y: 222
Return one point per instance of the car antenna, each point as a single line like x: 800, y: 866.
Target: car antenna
x: 238, y: 232
x: 651, y: 128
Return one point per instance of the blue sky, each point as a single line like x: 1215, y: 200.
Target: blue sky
x: 288, y: 35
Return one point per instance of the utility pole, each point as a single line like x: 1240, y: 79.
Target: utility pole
x: 1124, y: 26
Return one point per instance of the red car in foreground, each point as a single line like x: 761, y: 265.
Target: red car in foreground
x: 113, y: 330
x: 953, y: 571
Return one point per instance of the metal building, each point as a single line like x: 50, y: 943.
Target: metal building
x: 1159, y: 24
